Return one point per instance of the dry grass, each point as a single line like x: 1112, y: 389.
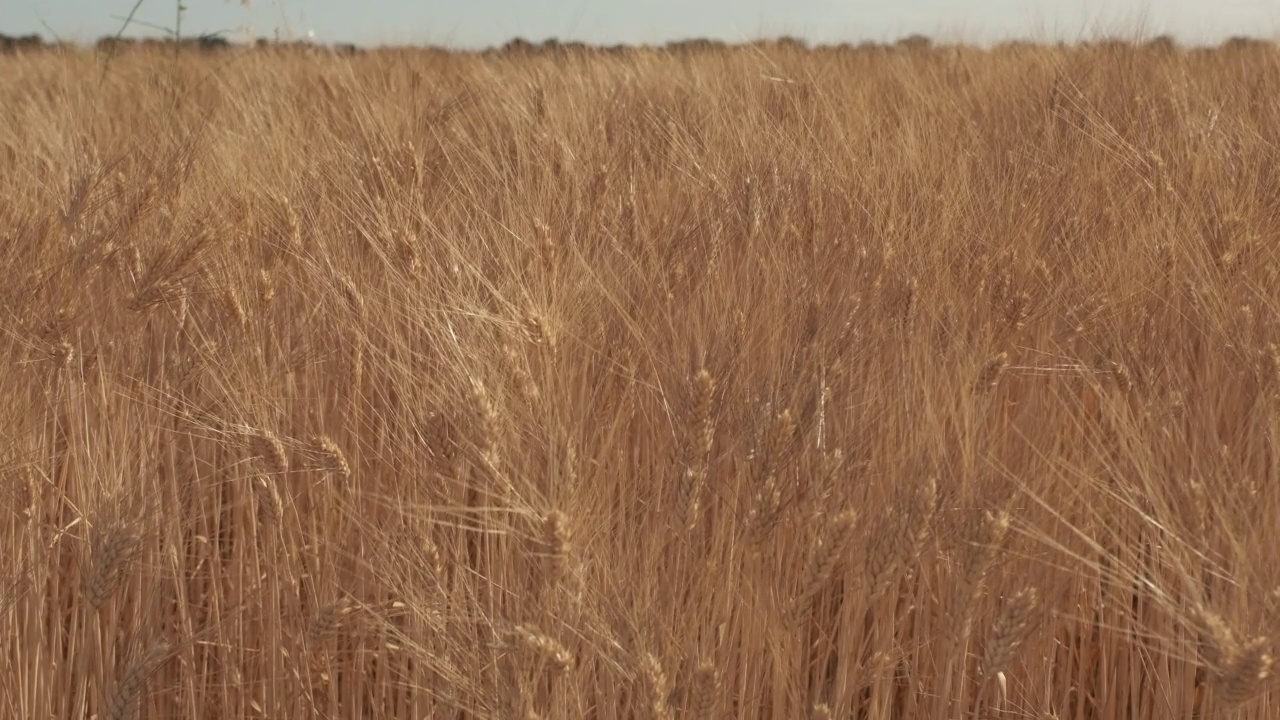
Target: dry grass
x: 745, y: 383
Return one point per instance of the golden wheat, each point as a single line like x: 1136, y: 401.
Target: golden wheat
x: 604, y: 345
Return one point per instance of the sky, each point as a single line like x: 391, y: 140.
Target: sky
x: 480, y: 23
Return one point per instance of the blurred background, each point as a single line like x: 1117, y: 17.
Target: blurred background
x: 482, y: 23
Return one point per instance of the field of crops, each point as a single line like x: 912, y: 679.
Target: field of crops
x: 747, y: 382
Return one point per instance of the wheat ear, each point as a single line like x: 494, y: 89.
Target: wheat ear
x: 1009, y: 633
x: 656, y: 687
x: 828, y: 555
x: 334, y: 460
x: 123, y: 703
x: 267, y: 447
x: 555, y: 541
x: 704, y: 692
x: 544, y: 647
x: 112, y: 548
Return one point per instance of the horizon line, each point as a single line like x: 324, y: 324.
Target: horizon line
x: 217, y: 39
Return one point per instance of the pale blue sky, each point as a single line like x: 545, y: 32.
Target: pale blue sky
x: 473, y: 23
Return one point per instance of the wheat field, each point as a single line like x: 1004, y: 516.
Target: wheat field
x: 750, y: 382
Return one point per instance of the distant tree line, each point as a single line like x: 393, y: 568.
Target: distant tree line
x: 22, y: 43
x: 910, y: 43
x: 216, y: 43
x: 519, y: 46
x: 204, y: 43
